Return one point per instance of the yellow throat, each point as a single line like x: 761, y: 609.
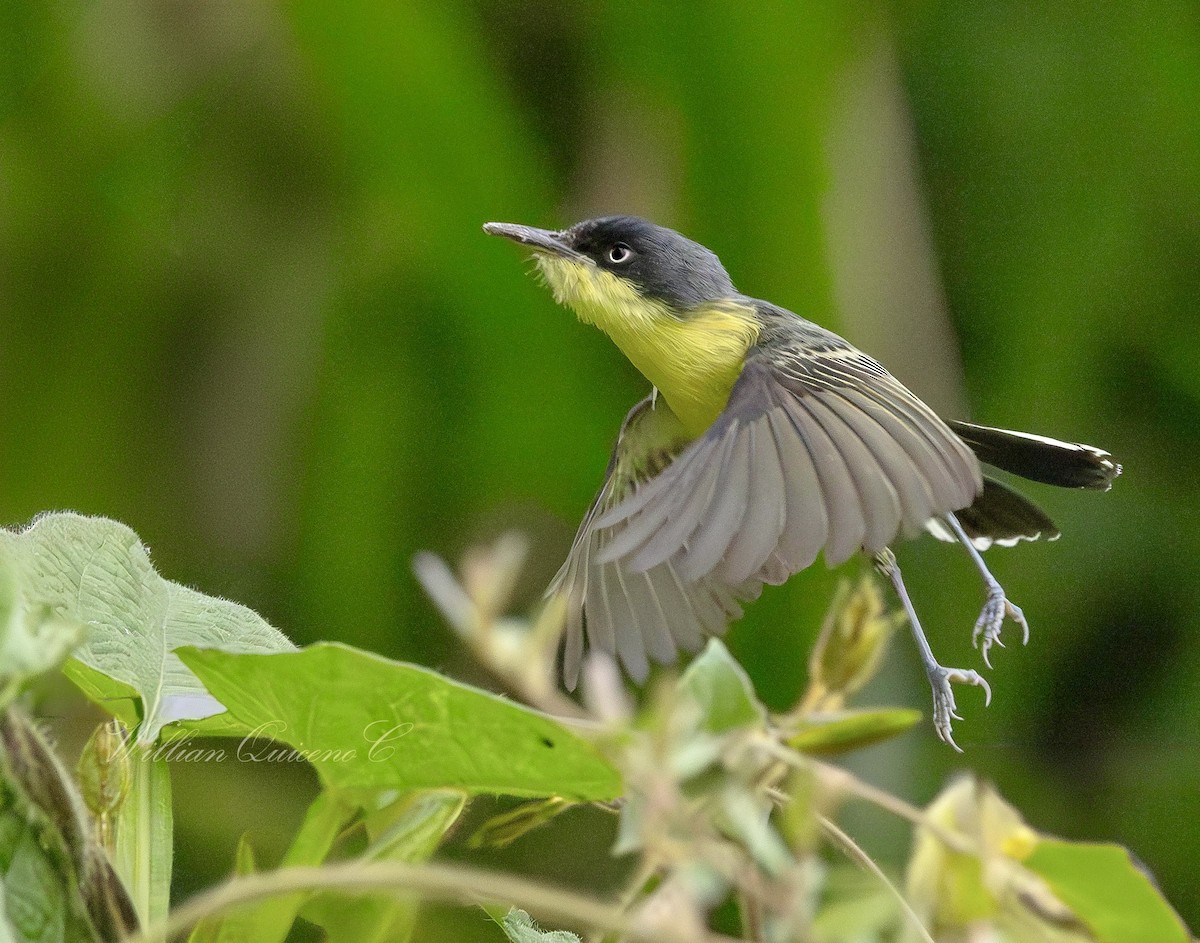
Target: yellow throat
x: 692, y: 360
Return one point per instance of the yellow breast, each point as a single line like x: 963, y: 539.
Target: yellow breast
x: 692, y: 360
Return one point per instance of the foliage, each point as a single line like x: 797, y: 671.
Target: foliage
x: 519, y: 927
x: 245, y: 306
x: 716, y: 803
x: 416, y: 729
x: 95, y: 573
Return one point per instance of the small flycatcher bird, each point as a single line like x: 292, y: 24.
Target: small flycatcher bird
x: 765, y: 441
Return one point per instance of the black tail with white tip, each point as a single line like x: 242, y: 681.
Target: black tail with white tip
x: 1038, y: 458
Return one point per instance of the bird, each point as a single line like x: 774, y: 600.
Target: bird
x: 766, y: 440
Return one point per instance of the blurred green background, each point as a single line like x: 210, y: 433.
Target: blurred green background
x: 246, y: 307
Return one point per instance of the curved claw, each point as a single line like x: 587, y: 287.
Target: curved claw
x: 944, y: 708
x: 972, y: 677
x: 991, y: 620
x: 1015, y: 613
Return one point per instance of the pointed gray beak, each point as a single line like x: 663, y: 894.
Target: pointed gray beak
x: 540, y: 240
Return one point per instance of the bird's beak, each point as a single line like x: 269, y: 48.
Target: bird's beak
x: 540, y: 240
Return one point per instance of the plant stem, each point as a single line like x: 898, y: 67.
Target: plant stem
x: 434, y: 881
x: 856, y: 853
x: 144, y: 836
x: 841, y: 780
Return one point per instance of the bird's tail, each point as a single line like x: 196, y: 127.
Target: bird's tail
x: 999, y: 515
x: 1050, y: 461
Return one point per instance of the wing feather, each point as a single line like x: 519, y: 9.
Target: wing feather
x: 925, y: 460
x: 726, y: 514
x: 766, y: 512
x: 843, y: 509
x: 600, y: 630
x: 686, y: 513
x: 652, y: 619
x: 806, y: 526
x: 958, y: 477
x: 684, y: 619
x: 876, y: 495
x: 631, y: 646
x: 910, y: 486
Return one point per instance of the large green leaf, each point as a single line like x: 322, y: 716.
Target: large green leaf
x: 364, y: 721
x: 1108, y: 891
x: 95, y: 571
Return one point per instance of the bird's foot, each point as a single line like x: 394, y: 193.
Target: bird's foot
x: 991, y: 620
x: 944, y: 710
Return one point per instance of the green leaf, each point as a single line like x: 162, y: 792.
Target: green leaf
x: 851, y: 730
x: 39, y: 902
x: 410, y: 830
x: 96, y: 571
x: 519, y: 927
x: 365, y: 722
x: 722, y: 689
x: 1108, y: 891
x: 121, y: 700
x: 39, y: 896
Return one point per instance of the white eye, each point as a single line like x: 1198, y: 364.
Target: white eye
x: 619, y: 253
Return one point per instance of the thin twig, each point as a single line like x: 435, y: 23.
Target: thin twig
x: 856, y: 853
x: 450, y: 883
x: 840, y: 779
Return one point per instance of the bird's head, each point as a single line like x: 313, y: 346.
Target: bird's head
x: 666, y: 302
x: 620, y: 264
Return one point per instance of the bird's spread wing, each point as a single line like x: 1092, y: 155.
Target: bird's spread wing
x: 652, y: 611
x: 819, y: 448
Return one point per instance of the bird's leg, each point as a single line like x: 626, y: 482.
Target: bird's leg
x: 940, y: 678
x: 991, y: 619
